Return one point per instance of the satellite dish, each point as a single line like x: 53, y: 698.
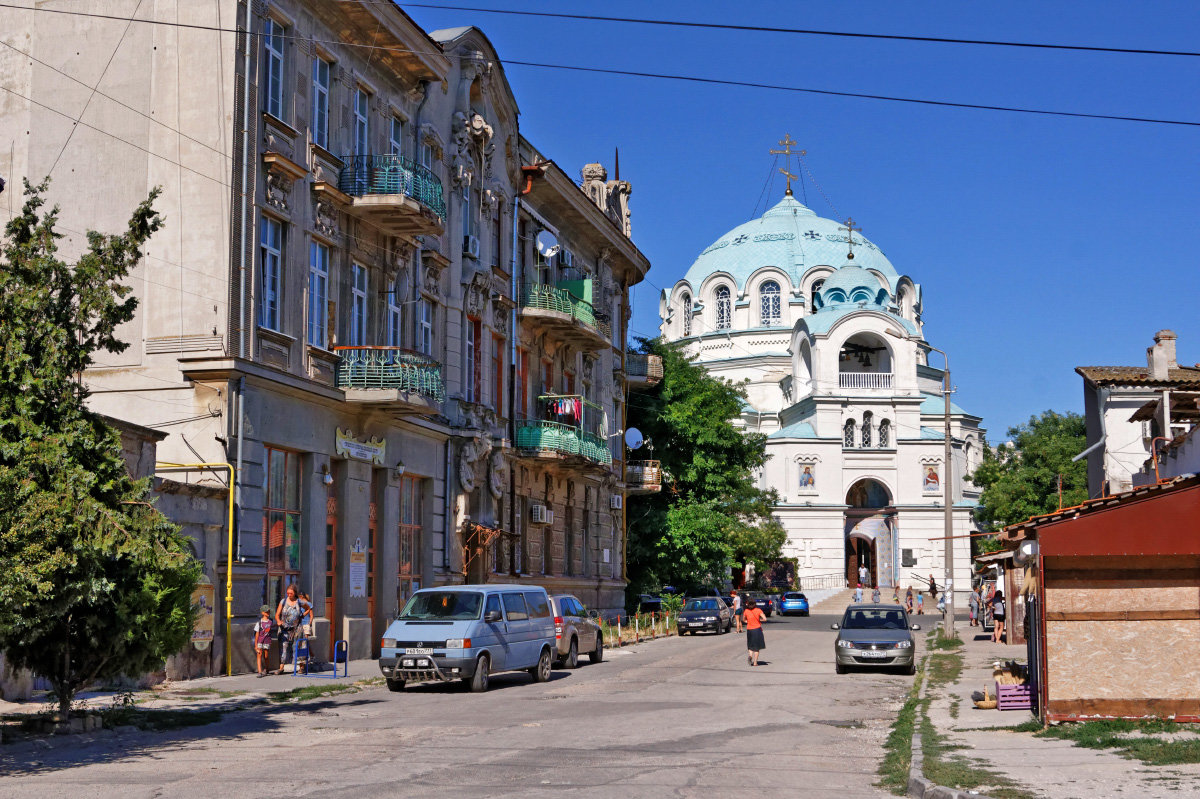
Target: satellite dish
x: 633, y: 438
x: 402, y: 285
x: 547, y: 244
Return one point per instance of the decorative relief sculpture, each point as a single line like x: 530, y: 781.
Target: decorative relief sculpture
x: 278, y: 189
x: 498, y: 475
x: 470, y: 452
x: 326, y: 218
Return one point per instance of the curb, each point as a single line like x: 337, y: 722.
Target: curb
x: 918, y: 786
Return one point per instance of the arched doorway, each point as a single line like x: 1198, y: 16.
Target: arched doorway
x: 868, y: 533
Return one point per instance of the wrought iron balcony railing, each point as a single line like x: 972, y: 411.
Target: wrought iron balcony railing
x: 392, y: 174
x: 552, y: 298
x: 544, y: 436
x: 390, y: 368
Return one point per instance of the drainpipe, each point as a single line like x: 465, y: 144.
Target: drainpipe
x: 237, y: 486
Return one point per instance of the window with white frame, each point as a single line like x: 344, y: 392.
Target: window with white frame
x: 685, y: 308
x: 472, y: 371
x: 271, y: 268
x: 320, y: 123
x: 273, y: 37
x: 724, y: 308
x: 396, y: 136
x: 425, y: 155
x: 362, y: 122
x: 425, y: 326
x: 394, y: 314
x: 358, y: 305
x: 318, y: 295
x: 770, y: 311
x: 866, y: 429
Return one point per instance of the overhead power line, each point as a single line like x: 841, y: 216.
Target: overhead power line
x: 676, y: 23
x: 653, y: 75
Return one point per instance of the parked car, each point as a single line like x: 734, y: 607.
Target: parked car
x: 705, y: 613
x: 875, y: 635
x: 469, y: 632
x: 713, y: 592
x: 759, y: 598
x: 793, y: 602
x: 575, y: 630
x: 648, y: 603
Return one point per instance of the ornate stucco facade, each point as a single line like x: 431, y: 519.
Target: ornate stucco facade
x: 362, y: 330
x: 831, y: 349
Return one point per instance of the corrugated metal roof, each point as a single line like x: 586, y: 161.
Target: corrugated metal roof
x: 1138, y: 375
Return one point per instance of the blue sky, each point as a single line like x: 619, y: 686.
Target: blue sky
x: 1041, y: 243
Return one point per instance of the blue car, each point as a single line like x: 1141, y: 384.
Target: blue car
x: 793, y: 602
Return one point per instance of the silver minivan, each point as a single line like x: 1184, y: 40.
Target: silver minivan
x: 468, y: 632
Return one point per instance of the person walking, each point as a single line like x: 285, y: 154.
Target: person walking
x: 858, y: 593
x: 289, y: 615
x: 973, y: 606
x: 920, y: 604
x: 863, y: 575
x: 262, y: 639
x: 738, y: 608
x: 998, y: 616
x: 932, y: 588
x: 908, y: 600
x: 875, y: 597
x: 896, y: 595
x: 755, y: 643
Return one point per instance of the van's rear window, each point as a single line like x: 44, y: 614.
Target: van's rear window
x: 443, y: 606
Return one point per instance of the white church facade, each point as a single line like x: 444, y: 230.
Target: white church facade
x: 827, y: 337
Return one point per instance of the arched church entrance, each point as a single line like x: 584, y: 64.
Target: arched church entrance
x: 869, y: 533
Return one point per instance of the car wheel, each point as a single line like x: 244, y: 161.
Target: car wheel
x: 479, y: 680
x: 597, y: 654
x: 395, y: 685
x: 572, y: 659
x: 839, y: 668
x: 911, y: 669
x: 541, y: 672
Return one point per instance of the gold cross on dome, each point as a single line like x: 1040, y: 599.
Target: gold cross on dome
x: 850, y: 228
x: 787, y: 144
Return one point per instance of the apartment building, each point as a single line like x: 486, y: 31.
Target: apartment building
x: 347, y: 301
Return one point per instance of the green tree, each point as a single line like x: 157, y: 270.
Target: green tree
x: 710, y: 514
x: 1020, y: 479
x: 94, y: 582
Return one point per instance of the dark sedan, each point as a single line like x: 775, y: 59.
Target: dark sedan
x: 762, y: 600
x: 705, y: 613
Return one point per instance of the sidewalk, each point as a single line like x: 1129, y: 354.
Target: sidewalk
x: 1046, y: 766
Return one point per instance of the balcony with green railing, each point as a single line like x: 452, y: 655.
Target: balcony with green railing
x: 569, y: 425
x: 395, y: 193
x: 566, y: 312
x: 399, y: 380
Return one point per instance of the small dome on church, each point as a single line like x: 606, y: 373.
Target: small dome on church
x: 791, y: 237
x: 852, y: 284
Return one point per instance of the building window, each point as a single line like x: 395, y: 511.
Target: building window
x: 769, y: 304
x: 685, y: 308
x: 547, y: 376
x: 548, y: 531
x: 410, y: 539
x: 425, y: 155
x: 318, y: 295
x: 498, y: 374
x: 724, y: 308
x: 271, y: 248
x: 866, y: 430
x: 885, y: 433
x: 396, y: 136
x: 522, y: 397
x: 320, y: 123
x: 812, y: 294
x: 497, y: 235
x: 849, y: 433
x: 362, y: 123
x: 470, y: 210
x: 282, y: 519
x: 358, y: 305
x: 474, y: 359
x: 394, y: 315
x: 424, y: 326
x: 273, y: 66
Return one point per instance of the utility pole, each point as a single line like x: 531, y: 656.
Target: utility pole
x: 948, y: 501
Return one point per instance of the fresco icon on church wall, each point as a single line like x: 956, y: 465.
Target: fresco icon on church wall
x: 933, y: 482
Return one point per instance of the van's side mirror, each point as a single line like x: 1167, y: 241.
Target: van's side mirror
x: 915, y: 627
x: 835, y: 627
x: 491, y: 616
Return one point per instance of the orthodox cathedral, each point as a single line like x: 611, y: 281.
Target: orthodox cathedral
x: 827, y: 337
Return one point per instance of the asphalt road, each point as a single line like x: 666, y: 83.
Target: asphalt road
x: 676, y: 717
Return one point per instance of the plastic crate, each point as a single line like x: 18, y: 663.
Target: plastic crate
x: 1014, y: 697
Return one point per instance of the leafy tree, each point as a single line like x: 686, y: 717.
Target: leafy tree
x: 710, y: 514
x: 1020, y: 479
x: 94, y: 582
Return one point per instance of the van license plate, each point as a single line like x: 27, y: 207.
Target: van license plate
x: 418, y: 651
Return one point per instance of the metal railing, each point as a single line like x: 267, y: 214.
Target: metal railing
x: 864, y: 380
x: 391, y: 368
x: 643, y: 474
x: 392, y: 174
x: 544, y: 436
x: 814, y: 581
x: 647, y: 366
x: 552, y: 298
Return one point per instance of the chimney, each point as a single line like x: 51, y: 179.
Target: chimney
x: 1161, y: 357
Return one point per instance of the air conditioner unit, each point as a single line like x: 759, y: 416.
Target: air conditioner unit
x: 614, y: 501
x: 471, y: 246
x: 566, y: 259
x: 540, y: 514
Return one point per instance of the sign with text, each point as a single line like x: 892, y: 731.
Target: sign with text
x: 346, y: 445
x: 358, y: 568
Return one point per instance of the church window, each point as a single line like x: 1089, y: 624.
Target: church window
x: 849, y: 439
x: 866, y: 430
x: 685, y: 308
x: 769, y: 303
x: 885, y: 431
x: 812, y: 293
x: 724, y: 308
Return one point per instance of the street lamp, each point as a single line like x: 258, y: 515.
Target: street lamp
x: 947, y: 492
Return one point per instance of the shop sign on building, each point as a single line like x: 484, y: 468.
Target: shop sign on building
x: 346, y: 445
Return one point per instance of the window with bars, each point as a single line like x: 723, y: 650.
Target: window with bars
x: 724, y: 308
x: 885, y: 433
x: 409, y: 569
x: 685, y: 308
x: 271, y: 268
x: 318, y: 295
x: 770, y: 304
x: 358, y: 305
x: 320, y: 112
x: 273, y: 63
x: 849, y: 433
x: 282, y: 519
x: 866, y: 429
x: 425, y: 326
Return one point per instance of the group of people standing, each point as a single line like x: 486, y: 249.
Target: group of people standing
x: 289, y: 625
x: 987, y: 597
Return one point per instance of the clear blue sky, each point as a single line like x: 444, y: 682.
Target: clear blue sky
x: 1041, y: 243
